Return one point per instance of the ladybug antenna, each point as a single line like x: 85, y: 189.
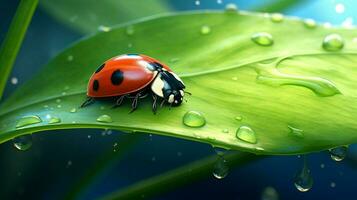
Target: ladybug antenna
x: 189, y: 93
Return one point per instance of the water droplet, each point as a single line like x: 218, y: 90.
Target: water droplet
x: 277, y: 17
x: 73, y: 110
x: 220, y: 151
x: 322, y: 166
x: 269, y: 193
x: 303, y: 180
x: 238, y: 118
x: 104, y: 28
x: 296, y: 132
x: 28, y: 120
x: 246, y: 134
x: 310, y: 23
x: 64, y: 93
x: 104, y: 119
x: 58, y: 100
x: 219, y: 1
x: 59, y: 106
x: 194, y: 119
x: 338, y: 153
x: 54, y: 120
x: 23, y: 142
x: 69, y: 58
x: 115, y: 147
x: 270, y: 75
x: 225, y: 130
x: 348, y: 22
x: 205, y: 30
x: 234, y: 78
x: 197, y: 2
x: 14, y: 80
x: 174, y: 60
x: 333, y: 42
x: 69, y: 164
x: 263, y: 38
x: 89, y: 136
x: 220, y: 168
x: 231, y: 7
x: 130, y: 30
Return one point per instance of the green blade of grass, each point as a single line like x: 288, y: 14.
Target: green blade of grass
x: 178, y: 177
x: 278, y: 6
x: 14, y: 37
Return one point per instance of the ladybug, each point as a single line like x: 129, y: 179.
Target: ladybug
x: 135, y: 76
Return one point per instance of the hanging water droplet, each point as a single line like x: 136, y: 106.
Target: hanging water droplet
x: 231, y: 8
x: 220, y: 168
x: 310, y: 23
x: 303, y: 180
x: 73, y: 110
x: 263, y: 38
x: 219, y: 151
x: 245, y: 133
x: 104, y: 119
x: 277, y: 17
x: 205, y: 30
x: 23, y: 142
x: 225, y: 130
x: 130, y: 30
x: 28, y: 120
x: 219, y: 1
x: 269, y: 193
x: 296, y: 132
x: 340, y: 8
x: 104, y: 28
x: 194, y: 119
x: 54, y: 120
x: 333, y: 42
x: 197, y: 2
x: 338, y: 153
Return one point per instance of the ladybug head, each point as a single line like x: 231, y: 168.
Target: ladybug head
x: 175, y: 97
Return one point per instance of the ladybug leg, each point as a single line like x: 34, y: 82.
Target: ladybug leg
x: 162, y: 103
x: 87, y: 102
x: 154, y: 103
x: 119, y: 101
x: 134, y: 105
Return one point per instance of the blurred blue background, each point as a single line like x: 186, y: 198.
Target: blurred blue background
x: 58, y: 160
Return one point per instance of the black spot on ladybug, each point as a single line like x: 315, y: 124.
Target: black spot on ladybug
x: 100, y: 68
x: 158, y: 64
x: 95, y: 85
x: 117, y: 77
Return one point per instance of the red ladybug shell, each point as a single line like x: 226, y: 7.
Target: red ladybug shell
x: 123, y: 74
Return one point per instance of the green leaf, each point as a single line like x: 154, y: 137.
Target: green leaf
x: 14, y: 37
x: 87, y: 16
x: 293, y: 96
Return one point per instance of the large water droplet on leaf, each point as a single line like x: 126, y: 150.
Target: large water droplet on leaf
x: 277, y: 17
x: 263, y: 38
x: 246, y: 134
x: 194, y: 119
x: 104, y: 119
x: 28, y: 120
x: 333, y: 42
